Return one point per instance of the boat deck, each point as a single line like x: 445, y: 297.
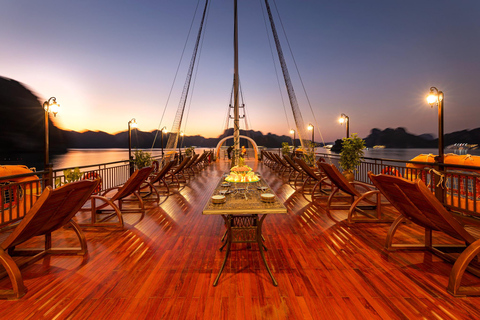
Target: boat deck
x: 163, y: 267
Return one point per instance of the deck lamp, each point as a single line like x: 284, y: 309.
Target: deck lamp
x: 293, y: 132
x: 50, y: 106
x: 131, y: 124
x: 311, y: 127
x: 345, y: 119
x: 180, y: 144
x: 164, y: 129
x: 436, y: 98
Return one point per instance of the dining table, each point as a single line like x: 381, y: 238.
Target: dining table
x: 244, y: 207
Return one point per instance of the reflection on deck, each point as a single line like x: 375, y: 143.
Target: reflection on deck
x: 163, y: 266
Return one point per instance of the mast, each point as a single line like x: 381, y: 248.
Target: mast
x: 177, y: 123
x: 236, y: 119
x: 299, y: 124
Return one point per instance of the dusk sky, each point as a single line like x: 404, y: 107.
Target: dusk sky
x: 107, y: 62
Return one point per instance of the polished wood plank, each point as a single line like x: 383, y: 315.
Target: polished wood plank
x: 163, y: 266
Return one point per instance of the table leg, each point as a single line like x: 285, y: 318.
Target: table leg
x: 228, y: 243
x: 260, y: 247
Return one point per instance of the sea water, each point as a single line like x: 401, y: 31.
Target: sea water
x: 85, y: 157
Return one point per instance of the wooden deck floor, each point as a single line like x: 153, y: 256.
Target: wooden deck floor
x: 163, y: 267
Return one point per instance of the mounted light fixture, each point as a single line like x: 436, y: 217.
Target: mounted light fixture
x: 345, y: 119
x: 49, y: 106
x: 293, y: 132
x: 164, y: 129
x: 131, y: 124
x: 436, y: 98
x: 311, y: 128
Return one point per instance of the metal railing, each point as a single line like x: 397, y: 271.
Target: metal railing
x: 19, y: 193
x: 461, y: 183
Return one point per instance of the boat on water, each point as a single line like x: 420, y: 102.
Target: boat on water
x: 467, y: 186
x: 462, y: 146
x: 17, y: 189
x: 379, y: 147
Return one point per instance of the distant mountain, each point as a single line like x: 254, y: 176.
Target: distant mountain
x: 144, y: 140
x: 22, y: 118
x: 396, y: 138
x: 22, y: 121
x: 400, y: 138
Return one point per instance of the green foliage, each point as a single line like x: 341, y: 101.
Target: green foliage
x: 285, y: 148
x: 69, y: 175
x: 309, y: 154
x: 190, y: 151
x: 142, y: 159
x: 352, y: 152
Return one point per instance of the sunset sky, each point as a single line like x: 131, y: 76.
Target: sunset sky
x: 107, y: 62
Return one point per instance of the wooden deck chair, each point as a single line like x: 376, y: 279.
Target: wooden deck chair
x: 198, y: 165
x: 297, y: 174
x: 267, y: 159
x: 272, y: 162
x: 418, y: 204
x: 316, y: 177
x: 175, y: 177
x: 361, y: 203
x: 283, y: 167
x: 109, y: 203
x: 157, y: 181
x: 53, y: 210
x: 188, y: 169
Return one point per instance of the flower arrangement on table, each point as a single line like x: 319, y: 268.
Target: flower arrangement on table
x: 242, y: 174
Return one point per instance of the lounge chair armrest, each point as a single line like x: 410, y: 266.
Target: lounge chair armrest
x: 362, y: 185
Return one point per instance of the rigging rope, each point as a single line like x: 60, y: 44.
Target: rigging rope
x: 175, y: 132
x: 299, y: 76
x: 275, y: 66
x: 300, y: 127
x: 176, y: 74
x: 193, y: 89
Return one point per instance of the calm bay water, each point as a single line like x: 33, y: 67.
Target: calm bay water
x: 83, y: 157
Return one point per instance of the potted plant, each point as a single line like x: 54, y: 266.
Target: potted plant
x: 351, y: 155
x: 189, y: 151
x: 69, y: 175
x: 142, y: 159
x: 309, y: 154
x: 285, y: 148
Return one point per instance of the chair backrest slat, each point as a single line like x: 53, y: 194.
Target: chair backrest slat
x: 133, y: 183
x: 52, y: 210
x: 159, y: 176
x: 413, y: 200
x: 338, y: 179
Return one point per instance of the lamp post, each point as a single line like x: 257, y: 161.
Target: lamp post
x: 293, y: 132
x: 345, y: 119
x: 311, y: 127
x: 180, y: 146
x: 131, y: 123
x: 164, y: 129
x: 436, y: 98
x: 52, y: 106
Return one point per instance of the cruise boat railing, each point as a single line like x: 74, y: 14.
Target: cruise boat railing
x: 17, y: 197
x: 461, y: 183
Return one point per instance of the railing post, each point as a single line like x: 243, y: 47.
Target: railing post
x: 48, y: 175
x: 439, y: 181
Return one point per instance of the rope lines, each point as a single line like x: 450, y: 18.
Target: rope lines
x: 275, y: 66
x: 297, y: 115
x: 175, y: 131
x: 299, y: 75
x: 176, y: 74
